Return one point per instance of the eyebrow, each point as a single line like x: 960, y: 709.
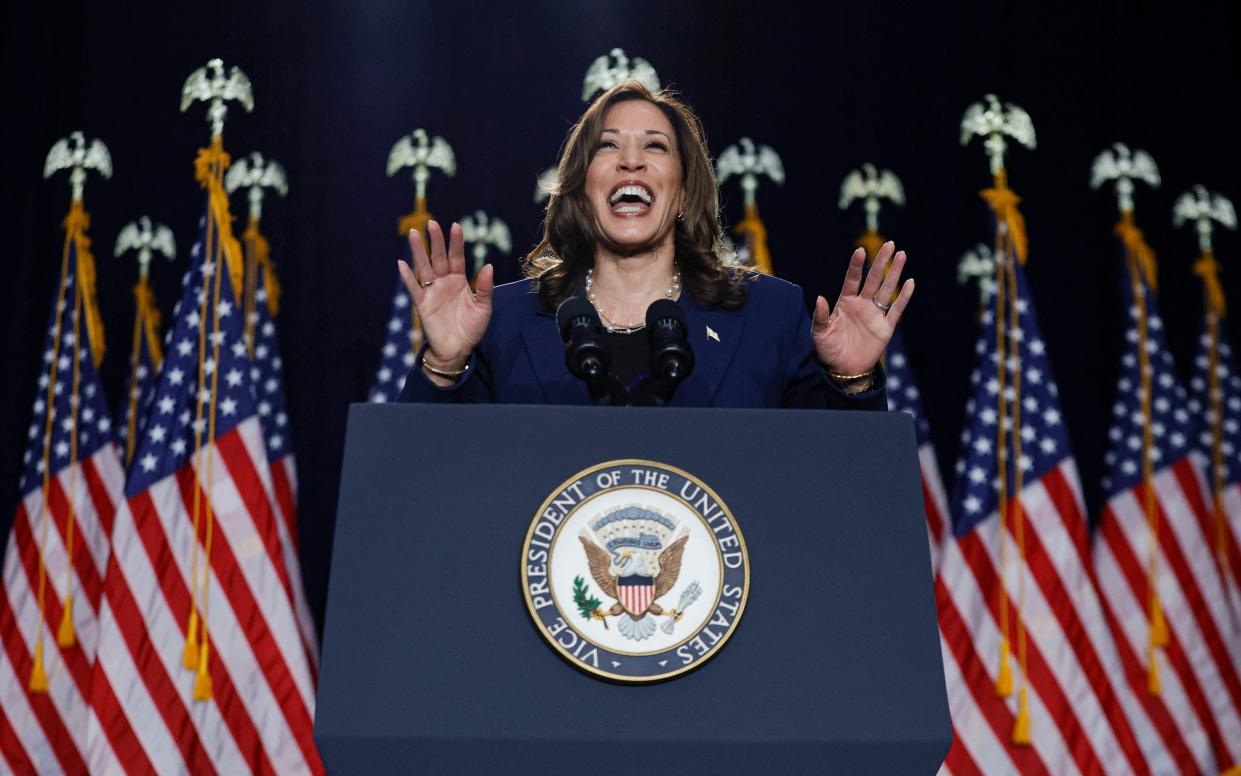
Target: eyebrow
x: 649, y: 132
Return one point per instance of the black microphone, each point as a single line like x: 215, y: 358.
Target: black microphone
x: 672, y: 360
x: 585, y: 354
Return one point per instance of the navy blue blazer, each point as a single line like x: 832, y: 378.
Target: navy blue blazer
x: 758, y: 356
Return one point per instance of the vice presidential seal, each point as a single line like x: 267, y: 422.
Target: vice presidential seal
x: 635, y: 570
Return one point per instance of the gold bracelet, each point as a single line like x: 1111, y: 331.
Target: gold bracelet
x: 850, y: 378
x: 445, y: 373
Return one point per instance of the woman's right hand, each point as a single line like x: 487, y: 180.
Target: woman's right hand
x: 454, y: 318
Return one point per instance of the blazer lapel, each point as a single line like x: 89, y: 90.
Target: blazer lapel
x: 546, y: 352
x: 713, y: 335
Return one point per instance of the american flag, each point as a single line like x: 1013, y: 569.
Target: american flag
x: 201, y: 665
x: 903, y: 396
x: 1188, y: 677
x: 144, y: 363
x: 267, y: 374
x: 1211, y: 398
x: 1019, y: 613
x: 70, y: 485
x: 400, y: 344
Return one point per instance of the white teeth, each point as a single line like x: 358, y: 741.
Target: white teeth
x: 631, y: 191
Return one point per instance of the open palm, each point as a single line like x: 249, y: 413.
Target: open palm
x: 850, y: 338
x: 454, y: 318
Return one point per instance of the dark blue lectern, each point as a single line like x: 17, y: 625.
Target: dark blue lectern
x: 432, y: 664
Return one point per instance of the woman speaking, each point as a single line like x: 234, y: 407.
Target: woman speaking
x: 634, y: 218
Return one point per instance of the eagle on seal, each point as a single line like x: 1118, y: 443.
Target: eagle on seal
x: 635, y: 577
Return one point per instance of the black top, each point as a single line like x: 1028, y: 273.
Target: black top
x: 631, y: 357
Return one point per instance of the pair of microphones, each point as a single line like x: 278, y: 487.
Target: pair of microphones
x: 589, y: 360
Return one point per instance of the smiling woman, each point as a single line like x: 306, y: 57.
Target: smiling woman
x: 634, y: 218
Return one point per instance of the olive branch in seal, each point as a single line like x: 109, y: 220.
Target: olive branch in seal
x: 589, y: 606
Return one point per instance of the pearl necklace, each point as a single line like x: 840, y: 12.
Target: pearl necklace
x: 618, y: 328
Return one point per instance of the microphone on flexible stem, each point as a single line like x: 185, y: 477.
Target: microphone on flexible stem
x: 672, y: 360
x: 585, y: 354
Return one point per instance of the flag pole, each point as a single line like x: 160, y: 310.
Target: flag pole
x: 223, y: 253
x: 993, y: 123
x: 1205, y: 209
x: 749, y: 161
x: 76, y: 155
x: 1123, y: 166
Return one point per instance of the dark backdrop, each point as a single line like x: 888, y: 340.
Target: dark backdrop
x: 336, y: 83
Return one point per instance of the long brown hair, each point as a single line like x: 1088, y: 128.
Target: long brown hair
x: 559, y: 262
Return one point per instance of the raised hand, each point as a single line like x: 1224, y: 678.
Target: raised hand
x: 454, y: 318
x: 850, y: 338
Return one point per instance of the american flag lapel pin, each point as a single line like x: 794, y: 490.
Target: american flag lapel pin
x: 712, y: 335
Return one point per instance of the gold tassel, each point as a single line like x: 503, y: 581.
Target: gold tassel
x: 1021, y: 726
x: 1003, y: 203
x: 75, y: 224
x: 94, y: 321
x: 755, y: 233
x: 202, y: 682
x: 1004, y: 682
x: 64, y: 634
x: 1159, y: 626
x: 1153, y: 685
x: 148, y: 313
x: 1136, y: 244
x: 1233, y: 771
x: 1207, y: 269
x: 262, y: 258
x: 189, y: 655
x: 209, y: 167
x: 38, y: 679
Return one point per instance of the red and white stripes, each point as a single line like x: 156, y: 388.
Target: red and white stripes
x: 1084, y: 716
x: 47, y: 732
x: 260, y: 718
x: 1200, y: 695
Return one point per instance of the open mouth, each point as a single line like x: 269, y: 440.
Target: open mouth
x: 631, y: 199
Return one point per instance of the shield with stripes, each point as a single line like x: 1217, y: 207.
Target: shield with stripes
x: 636, y: 593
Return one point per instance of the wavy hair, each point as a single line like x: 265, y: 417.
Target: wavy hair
x: 558, y: 264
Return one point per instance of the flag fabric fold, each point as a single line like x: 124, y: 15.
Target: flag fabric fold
x: 267, y: 377
x: 144, y: 361
x: 1215, y: 402
x: 1152, y: 555
x: 903, y: 396
x: 1033, y: 679
x: 201, y: 665
x: 401, y: 342
x: 58, y: 549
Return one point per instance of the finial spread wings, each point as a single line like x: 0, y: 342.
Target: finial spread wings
x: 58, y: 158
x: 402, y: 154
x: 1144, y: 168
x: 130, y: 237
x: 64, y: 155
x: 730, y: 163
x: 669, y: 566
x: 600, y: 562
x: 1019, y: 126
x: 769, y: 161
x: 164, y: 242
x: 441, y: 156
x: 202, y: 85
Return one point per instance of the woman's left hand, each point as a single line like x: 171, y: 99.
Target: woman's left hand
x: 850, y: 338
